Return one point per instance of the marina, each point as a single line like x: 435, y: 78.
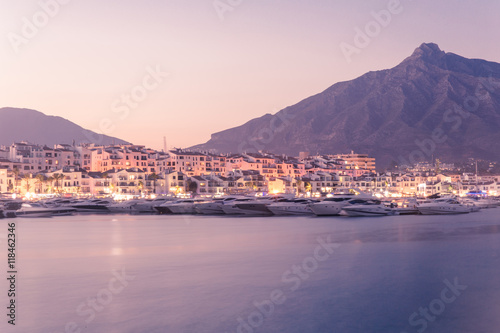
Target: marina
x: 351, y: 205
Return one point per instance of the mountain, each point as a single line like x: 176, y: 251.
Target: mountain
x: 29, y: 125
x: 432, y: 105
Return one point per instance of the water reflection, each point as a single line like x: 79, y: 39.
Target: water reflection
x: 203, y: 275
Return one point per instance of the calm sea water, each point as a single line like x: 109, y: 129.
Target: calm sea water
x: 131, y: 274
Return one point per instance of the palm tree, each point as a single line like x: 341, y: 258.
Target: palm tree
x: 40, y: 180
x: 153, y: 177
x: 299, y: 185
x: 27, y: 178
x: 16, y: 178
x: 51, y: 181
x: 57, y: 177
x: 308, y: 187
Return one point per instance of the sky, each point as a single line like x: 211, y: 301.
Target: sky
x: 184, y: 69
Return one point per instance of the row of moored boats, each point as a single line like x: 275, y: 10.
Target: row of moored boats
x: 342, y: 204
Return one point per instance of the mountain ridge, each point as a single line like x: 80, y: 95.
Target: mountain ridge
x: 20, y: 124
x: 387, y: 113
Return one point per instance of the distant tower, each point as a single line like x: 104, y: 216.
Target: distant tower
x: 165, y: 144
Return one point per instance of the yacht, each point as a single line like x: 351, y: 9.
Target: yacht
x: 164, y: 207
x: 443, y: 206
x: 257, y: 206
x: 147, y: 206
x: 92, y: 206
x: 404, y: 206
x: 10, y: 207
x: 231, y: 208
x: 331, y: 206
x: 367, y: 207
x: 185, y: 206
x: 213, y: 207
x: 485, y: 203
x: 291, y: 207
x: 33, y: 210
x: 471, y: 204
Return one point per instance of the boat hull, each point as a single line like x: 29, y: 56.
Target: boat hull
x: 162, y: 210
x: 210, y: 208
x: 363, y: 211
x: 33, y: 214
x: 290, y: 210
x: 256, y: 209
x: 182, y: 209
x: 442, y: 211
x: 327, y: 208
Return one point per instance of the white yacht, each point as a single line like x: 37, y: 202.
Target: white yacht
x: 367, y: 207
x: 331, y: 206
x: 404, y: 206
x: 33, y: 210
x: 147, y: 206
x: 257, y: 206
x: 443, y: 206
x: 213, y: 207
x: 92, y: 206
x: 185, y: 206
x: 231, y: 208
x: 471, y: 204
x: 291, y: 207
x: 485, y: 203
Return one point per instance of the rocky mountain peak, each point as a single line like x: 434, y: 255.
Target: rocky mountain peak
x: 390, y: 114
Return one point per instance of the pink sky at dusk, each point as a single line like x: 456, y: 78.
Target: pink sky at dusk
x: 261, y: 57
